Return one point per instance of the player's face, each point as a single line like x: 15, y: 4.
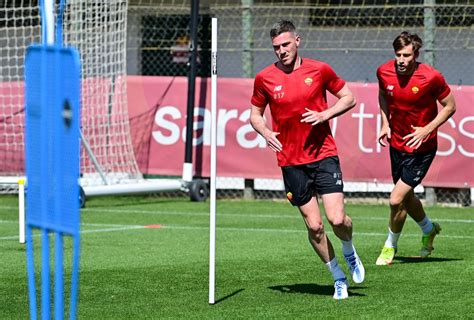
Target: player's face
x: 405, y: 59
x: 285, y: 46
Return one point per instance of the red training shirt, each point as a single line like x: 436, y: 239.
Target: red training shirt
x: 412, y: 101
x: 288, y: 94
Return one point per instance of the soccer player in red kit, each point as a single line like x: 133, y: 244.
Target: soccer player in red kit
x: 408, y: 96
x: 295, y: 89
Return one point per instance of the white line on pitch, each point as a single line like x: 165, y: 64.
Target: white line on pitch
x: 282, y: 216
x: 369, y: 234
x: 118, y: 228
x: 184, y: 227
x: 256, y: 216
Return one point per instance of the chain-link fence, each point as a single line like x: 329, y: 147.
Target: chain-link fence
x: 352, y: 36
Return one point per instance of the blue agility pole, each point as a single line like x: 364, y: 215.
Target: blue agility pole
x: 52, y: 140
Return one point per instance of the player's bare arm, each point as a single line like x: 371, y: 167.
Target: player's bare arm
x: 260, y: 125
x: 385, y: 132
x: 420, y: 134
x: 345, y: 102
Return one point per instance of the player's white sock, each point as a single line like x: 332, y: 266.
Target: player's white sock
x: 392, y: 239
x: 347, y: 247
x: 426, y: 225
x: 335, y: 270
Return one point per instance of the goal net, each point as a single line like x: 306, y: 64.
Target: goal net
x: 97, y: 29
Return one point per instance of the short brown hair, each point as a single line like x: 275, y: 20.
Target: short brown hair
x: 406, y: 38
x: 282, y: 26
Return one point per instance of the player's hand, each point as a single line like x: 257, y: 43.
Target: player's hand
x: 272, y: 141
x: 313, y: 117
x: 416, y: 138
x: 385, y: 133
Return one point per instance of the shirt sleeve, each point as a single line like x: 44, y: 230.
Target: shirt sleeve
x: 259, y: 96
x: 440, y: 87
x: 332, y: 81
x: 379, y: 78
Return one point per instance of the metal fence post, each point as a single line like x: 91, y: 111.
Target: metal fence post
x: 430, y: 196
x: 247, y: 38
x: 429, y: 21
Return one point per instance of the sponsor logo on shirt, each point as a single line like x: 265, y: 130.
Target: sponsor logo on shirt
x: 277, y: 93
x: 415, y: 89
x: 390, y: 89
x: 308, y: 81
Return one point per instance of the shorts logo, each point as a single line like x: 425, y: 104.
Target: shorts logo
x: 308, y: 81
x: 415, y: 90
x: 289, y: 195
x: 277, y: 88
x: 417, y: 178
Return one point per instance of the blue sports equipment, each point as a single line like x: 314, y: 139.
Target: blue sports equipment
x: 52, y: 103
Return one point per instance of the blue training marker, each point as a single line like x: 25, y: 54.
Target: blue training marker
x: 52, y: 103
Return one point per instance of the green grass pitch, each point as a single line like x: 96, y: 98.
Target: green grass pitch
x: 147, y: 258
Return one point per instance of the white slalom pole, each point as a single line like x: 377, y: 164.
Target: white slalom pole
x: 21, y: 209
x: 212, y: 207
x: 49, y: 14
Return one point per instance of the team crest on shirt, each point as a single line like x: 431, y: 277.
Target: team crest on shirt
x: 277, y: 88
x: 415, y: 89
x: 308, y: 81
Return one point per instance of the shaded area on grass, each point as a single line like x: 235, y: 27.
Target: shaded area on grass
x: 228, y: 296
x: 418, y: 259
x: 312, y: 288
